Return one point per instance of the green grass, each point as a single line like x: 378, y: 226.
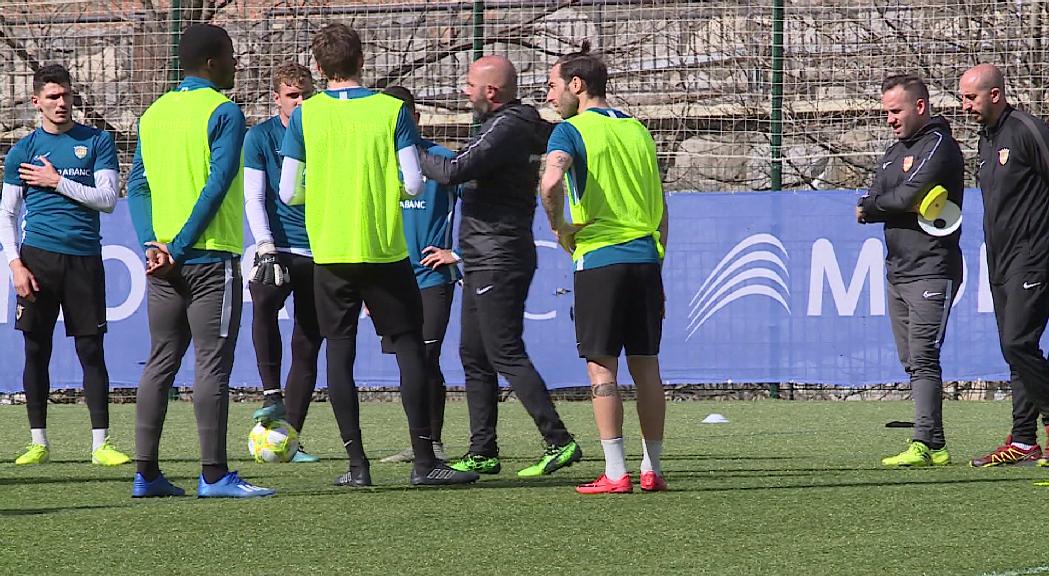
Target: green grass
x: 784, y: 488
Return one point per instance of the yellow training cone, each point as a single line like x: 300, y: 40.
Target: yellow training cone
x: 930, y: 206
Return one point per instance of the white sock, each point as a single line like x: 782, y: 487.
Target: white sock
x: 98, y: 437
x: 653, y: 450
x: 615, y: 458
x: 1022, y: 446
x: 39, y: 435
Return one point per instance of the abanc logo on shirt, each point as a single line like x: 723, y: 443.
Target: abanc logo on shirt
x: 75, y: 172
x: 413, y: 204
x: 80, y: 151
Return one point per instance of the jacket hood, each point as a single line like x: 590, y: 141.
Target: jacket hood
x: 936, y: 123
x: 529, y: 119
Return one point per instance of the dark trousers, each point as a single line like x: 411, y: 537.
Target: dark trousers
x: 919, y: 310
x: 1021, y: 308
x: 198, y: 303
x: 305, y: 336
x: 491, y: 345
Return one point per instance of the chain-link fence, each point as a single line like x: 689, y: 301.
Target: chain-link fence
x: 720, y: 84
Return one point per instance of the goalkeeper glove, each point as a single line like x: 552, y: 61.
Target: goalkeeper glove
x: 268, y: 270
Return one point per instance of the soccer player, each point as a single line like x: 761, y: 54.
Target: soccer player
x: 500, y: 169
x: 924, y: 271
x: 185, y: 196
x: 428, y: 231
x: 606, y: 161
x: 65, y: 173
x: 1014, y: 180
x: 352, y: 145
x: 283, y: 262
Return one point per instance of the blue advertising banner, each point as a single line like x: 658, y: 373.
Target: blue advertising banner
x: 761, y: 287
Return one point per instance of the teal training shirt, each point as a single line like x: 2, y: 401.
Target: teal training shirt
x: 262, y: 152
x: 428, y: 222
x: 52, y: 221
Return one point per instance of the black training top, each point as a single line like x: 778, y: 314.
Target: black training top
x: 1014, y: 179
x: 500, y: 169
x: 910, y: 168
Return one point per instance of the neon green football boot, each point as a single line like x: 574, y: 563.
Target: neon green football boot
x: 108, y: 455
x: 34, y: 454
x: 477, y: 463
x: 939, y: 457
x: 554, y: 458
x: 916, y: 455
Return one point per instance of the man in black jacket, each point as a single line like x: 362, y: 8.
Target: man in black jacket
x: 500, y: 169
x: 1014, y: 179
x: 924, y: 270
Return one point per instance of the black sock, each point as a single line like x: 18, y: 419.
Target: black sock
x: 342, y: 393
x: 90, y: 351
x: 149, y: 469
x: 438, y: 392
x: 415, y: 395
x: 35, y: 378
x: 214, y: 472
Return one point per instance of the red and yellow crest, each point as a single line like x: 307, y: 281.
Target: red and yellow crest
x: 1003, y: 156
x: 908, y: 161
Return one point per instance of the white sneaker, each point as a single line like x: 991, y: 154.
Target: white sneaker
x: 406, y: 455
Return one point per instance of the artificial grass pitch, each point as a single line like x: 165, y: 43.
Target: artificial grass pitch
x: 782, y: 488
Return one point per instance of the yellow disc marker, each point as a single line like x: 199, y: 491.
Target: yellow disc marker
x: 930, y: 206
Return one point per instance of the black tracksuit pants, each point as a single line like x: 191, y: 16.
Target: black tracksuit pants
x: 1021, y: 308
x: 492, y: 344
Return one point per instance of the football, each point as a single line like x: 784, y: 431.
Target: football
x: 275, y: 441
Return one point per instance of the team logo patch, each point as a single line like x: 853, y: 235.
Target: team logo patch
x: 1003, y: 156
x: 18, y: 311
x: 908, y: 161
x: 80, y: 151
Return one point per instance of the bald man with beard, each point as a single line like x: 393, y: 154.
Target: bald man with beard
x: 499, y: 170
x: 1014, y: 180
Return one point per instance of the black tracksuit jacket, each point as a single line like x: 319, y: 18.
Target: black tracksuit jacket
x: 1014, y: 179
x: 909, y: 169
x: 500, y: 169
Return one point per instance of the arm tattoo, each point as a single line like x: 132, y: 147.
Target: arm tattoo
x: 561, y: 160
x: 604, y: 389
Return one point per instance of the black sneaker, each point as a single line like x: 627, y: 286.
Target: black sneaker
x: 442, y: 475
x: 355, y: 477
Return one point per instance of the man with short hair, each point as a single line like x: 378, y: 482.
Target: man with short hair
x: 1014, y: 179
x: 65, y: 173
x: 499, y: 168
x: 184, y: 194
x: 428, y: 231
x: 924, y: 270
x: 606, y: 161
x: 354, y: 146
x: 283, y: 262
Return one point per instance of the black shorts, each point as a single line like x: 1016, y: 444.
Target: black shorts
x: 617, y: 308
x: 76, y: 284
x: 437, y: 308
x: 389, y: 291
